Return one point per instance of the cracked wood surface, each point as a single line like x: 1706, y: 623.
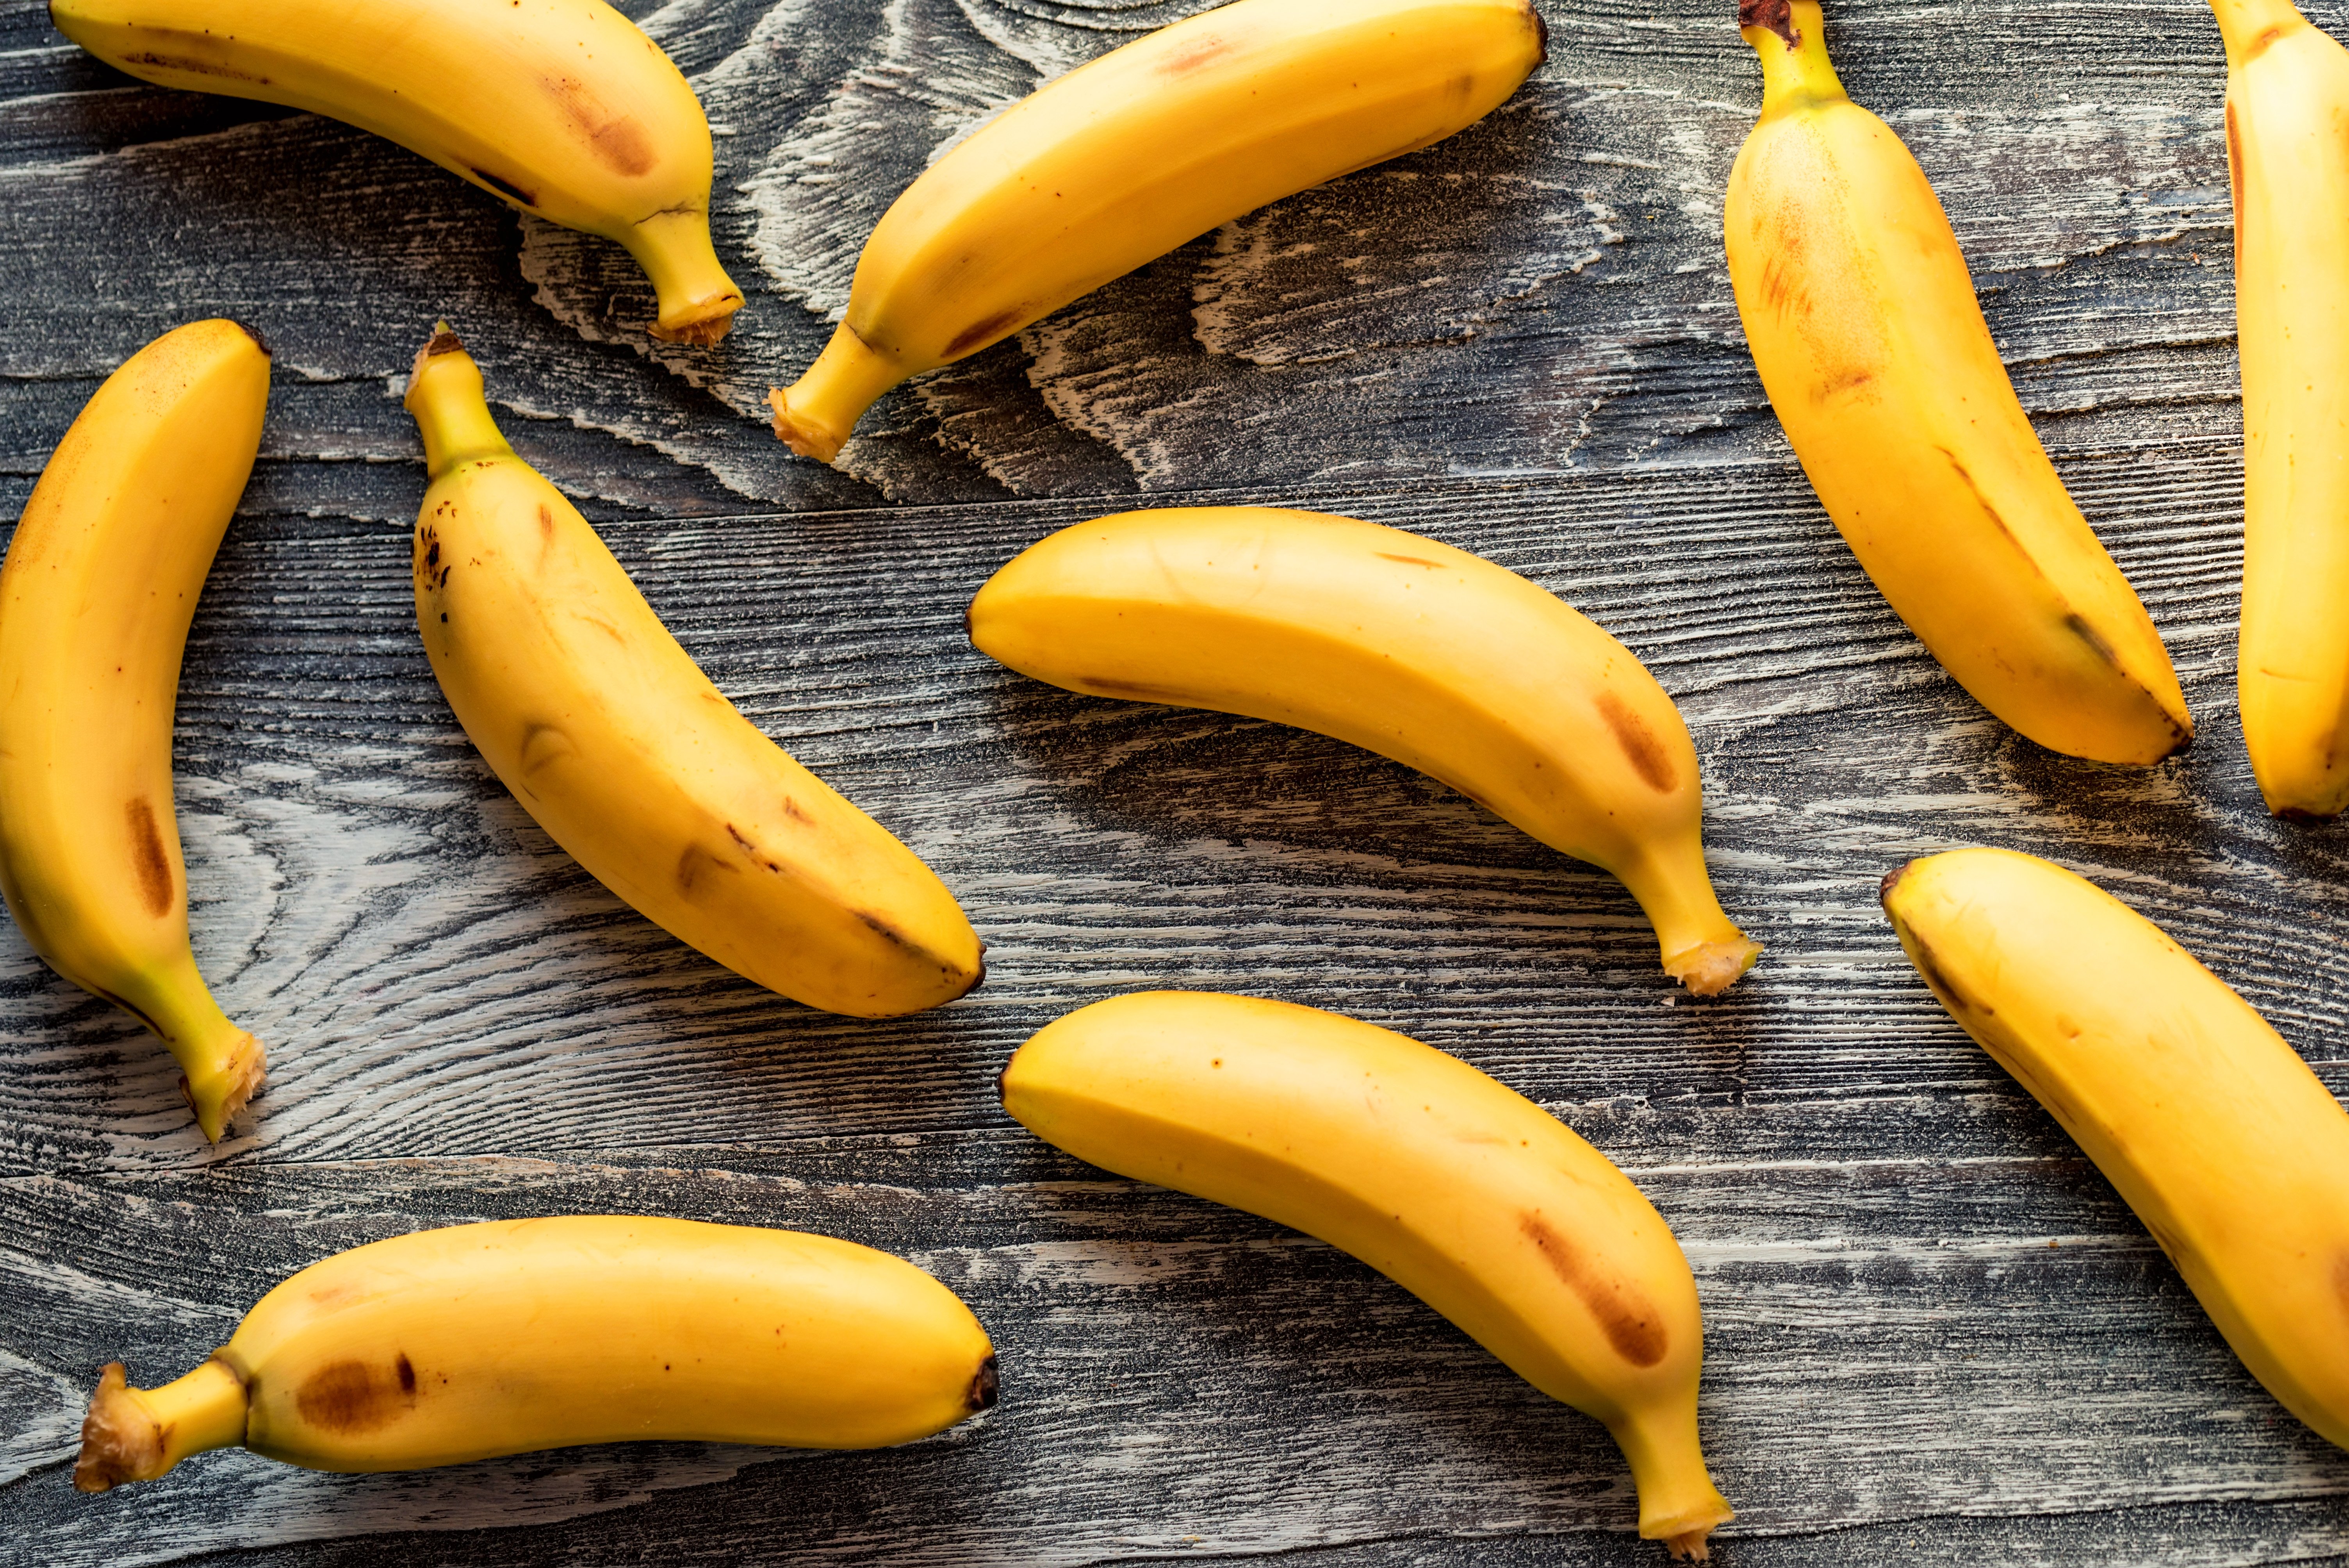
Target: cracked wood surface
x: 1934, y: 1332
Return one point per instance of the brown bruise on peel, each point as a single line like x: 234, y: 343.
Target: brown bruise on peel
x: 1102, y: 685
x: 507, y: 188
x: 2235, y: 167
x: 348, y: 1398
x: 1640, y: 746
x: 188, y: 63
x: 1630, y: 1322
x: 984, y: 1384
x: 1774, y: 15
x: 617, y: 140
x: 693, y: 863
x: 980, y: 333
x: 1412, y: 560
x: 1194, y: 55
x: 150, y: 859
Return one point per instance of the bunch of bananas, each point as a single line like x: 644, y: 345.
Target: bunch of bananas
x: 476, y: 1340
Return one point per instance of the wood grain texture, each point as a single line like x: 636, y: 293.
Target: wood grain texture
x: 1934, y: 1332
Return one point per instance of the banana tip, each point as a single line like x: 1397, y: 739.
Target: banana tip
x: 254, y: 333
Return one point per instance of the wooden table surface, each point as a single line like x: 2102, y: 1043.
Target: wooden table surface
x: 1935, y: 1335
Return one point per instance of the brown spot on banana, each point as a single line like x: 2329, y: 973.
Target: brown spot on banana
x: 188, y: 63
x: 979, y: 333
x: 616, y: 139
x: 407, y: 1370
x: 1412, y: 560
x: 1194, y: 55
x: 1138, y: 690
x: 2236, y: 168
x: 693, y: 863
x: 1640, y: 746
x: 1776, y: 16
x: 1631, y: 1324
x: 348, y: 1398
x: 149, y: 858
x: 984, y: 1384
x: 511, y: 192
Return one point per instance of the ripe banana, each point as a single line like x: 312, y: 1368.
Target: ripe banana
x: 609, y: 734
x: 1458, y: 1189
x: 96, y: 597
x: 2288, y: 154
x: 1864, y: 325
x: 515, y: 1336
x: 1134, y: 153
x: 2233, y: 1152
x: 1410, y: 648
x: 561, y: 107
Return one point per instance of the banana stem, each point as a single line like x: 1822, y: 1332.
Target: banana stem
x: 1700, y: 946
x: 453, y: 412
x: 816, y: 413
x: 1790, y: 37
x: 138, y: 1434
x: 1678, y: 1504
x: 2247, y: 25
x: 698, y: 300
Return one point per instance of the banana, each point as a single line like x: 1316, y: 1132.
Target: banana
x: 1410, y: 648
x: 1134, y: 153
x: 1864, y: 325
x: 1454, y: 1186
x: 515, y: 1336
x: 560, y: 107
x: 608, y: 733
x: 96, y: 597
x: 2288, y: 156
x: 2233, y: 1152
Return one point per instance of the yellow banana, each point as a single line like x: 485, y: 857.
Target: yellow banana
x: 520, y: 1335
x: 1454, y: 1186
x: 609, y: 734
x: 1410, y: 648
x: 561, y: 107
x: 2233, y: 1152
x: 96, y: 597
x: 1864, y: 324
x: 2288, y: 153
x: 1134, y: 153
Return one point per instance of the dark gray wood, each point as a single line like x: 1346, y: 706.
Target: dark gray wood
x: 1935, y: 1334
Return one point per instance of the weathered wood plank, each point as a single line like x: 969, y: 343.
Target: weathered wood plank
x: 1522, y: 342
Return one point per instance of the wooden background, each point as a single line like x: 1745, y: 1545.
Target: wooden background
x: 1935, y: 1335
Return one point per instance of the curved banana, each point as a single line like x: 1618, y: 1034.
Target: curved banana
x: 608, y: 733
x: 515, y: 1335
x: 560, y: 107
x: 1451, y: 1185
x: 1407, y: 647
x: 1131, y: 155
x: 1864, y: 324
x: 2233, y: 1152
x: 2288, y: 155
x: 96, y: 597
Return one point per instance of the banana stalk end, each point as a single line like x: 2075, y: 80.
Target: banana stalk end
x: 1712, y: 967
x: 138, y: 1434
x: 698, y: 300
x: 228, y: 1087
x: 815, y: 414
x: 1689, y: 1545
